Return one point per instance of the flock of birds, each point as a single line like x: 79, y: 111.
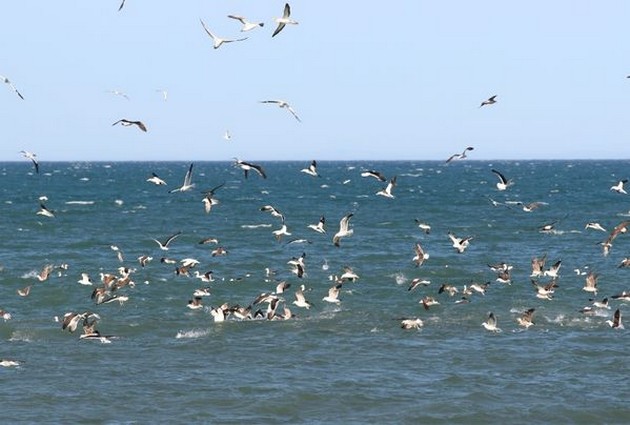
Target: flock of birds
x: 273, y: 305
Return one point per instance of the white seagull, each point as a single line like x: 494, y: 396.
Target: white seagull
x: 503, y: 183
x: 247, y: 25
x: 188, y: 184
x: 218, y: 41
x: 319, y: 227
x: 164, y: 245
x: 462, y: 155
x: 420, y: 255
x: 491, y: 323
x: 373, y: 173
x: 283, y: 104
x: 311, y: 170
x: 387, y: 191
x: 7, y: 81
x: 282, y: 22
x: 460, y: 244
x: 616, y: 323
x: 490, y: 101
x: 300, y: 300
x: 45, y: 211
x: 344, y: 229
x: 619, y: 187
x: 32, y: 157
x: 333, y: 294
x: 155, y: 179
x: 247, y: 166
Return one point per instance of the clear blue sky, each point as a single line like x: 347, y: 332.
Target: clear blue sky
x: 370, y: 80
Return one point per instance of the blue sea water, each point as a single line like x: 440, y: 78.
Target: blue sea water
x: 346, y: 363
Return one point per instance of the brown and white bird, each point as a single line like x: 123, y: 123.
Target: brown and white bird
x: 420, y: 256
x: 491, y: 323
x: 590, y: 285
x: 127, y: 123
x: 526, y: 318
x: 616, y: 322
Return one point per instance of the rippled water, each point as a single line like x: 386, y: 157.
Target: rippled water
x: 346, y: 363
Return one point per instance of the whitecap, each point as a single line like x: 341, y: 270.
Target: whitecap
x: 191, y: 334
x: 80, y: 203
x: 254, y: 226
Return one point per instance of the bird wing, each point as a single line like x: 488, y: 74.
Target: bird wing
x: 279, y: 28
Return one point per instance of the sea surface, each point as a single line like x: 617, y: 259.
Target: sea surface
x: 349, y: 363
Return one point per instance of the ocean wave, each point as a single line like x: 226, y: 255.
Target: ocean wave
x: 80, y: 203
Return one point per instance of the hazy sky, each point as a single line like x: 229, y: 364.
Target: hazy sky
x: 370, y: 80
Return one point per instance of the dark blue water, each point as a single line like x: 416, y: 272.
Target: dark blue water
x: 342, y: 363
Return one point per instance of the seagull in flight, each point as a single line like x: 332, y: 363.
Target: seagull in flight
x: 282, y: 22
x: 218, y: 41
x: 32, y: 157
x: 7, y: 81
x: 344, y: 229
x: 387, y: 191
x: 164, y: 245
x: 119, y: 93
x: 285, y: 105
x: 311, y: 170
x: 490, y: 101
x: 491, y: 323
x: 155, y: 179
x: 121, y: 5
x: 188, y: 184
x: 459, y: 155
x: 127, y: 123
x: 247, y: 166
x: 503, y: 183
x: 247, y: 25
x: 619, y: 187
x: 164, y: 93
x: 375, y: 174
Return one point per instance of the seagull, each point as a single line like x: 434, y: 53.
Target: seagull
x: 387, y: 191
x: 425, y: 227
x: 428, y: 301
x: 127, y: 123
x: 531, y: 206
x: 284, y: 20
x: 164, y: 93
x: 449, y: 289
x: 300, y: 300
x: 155, y: 179
x: 118, y: 93
x: 209, y: 200
x: 24, y: 291
x: 121, y: 5
x: 420, y: 255
x: 227, y: 136
x: 144, y: 260
x: 85, y: 280
x: 591, y: 283
x: 247, y: 25
x: 195, y: 303
x: 164, y: 245
x: 503, y: 182
x: 71, y: 320
x: 375, y: 174
x: 319, y: 227
x: 545, y: 292
x: 458, y: 156
x: 490, y: 101
x: 283, y: 104
x: 411, y: 323
x: 273, y: 210
x: 538, y: 266
x: 311, y: 170
x: 595, y: 226
x: 247, y: 166
x: 6, y: 80
x: 188, y: 184
x: 32, y: 157
x: 344, y: 229
x: 217, y: 40
x: 526, y: 319
x: 491, y: 323
x: 45, y: 211
x: 616, y: 323
x: 282, y: 231
x: 553, y: 270
x: 333, y: 294
x: 460, y: 244
x: 9, y: 363
x: 619, y: 187
x: 620, y: 228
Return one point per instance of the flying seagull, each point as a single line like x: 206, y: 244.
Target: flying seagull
x: 490, y: 101
x: 387, y: 191
x: 247, y: 25
x: 155, y: 179
x: 7, y: 81
x: 119, y: 93
x: 32, y: 157
x: 311, y: 170
x: 344, y: 229
x: 619, y: 187
x: 188, y: 184
x: 503, y: 183
x: 217, y: 40
x: 491, y: 323
x: 127, y: 123
x: 247, y: 166
x: 164, y: 245
x: 282, y: 22
x: 121, y: 5
x: 459, y: 155
x: 372, y: 173
x: 283, y: 104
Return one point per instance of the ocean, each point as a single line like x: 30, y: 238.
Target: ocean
x: 350, y: 362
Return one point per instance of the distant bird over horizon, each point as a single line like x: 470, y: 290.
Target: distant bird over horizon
x: 458, y: 156
x: 284, y: 20
x: 490, y: 101
x: 283, y: 104
x: 118, y: 93
x: 311, y: 170
x: 127, y: 123
x: 10, y: 84
x: 33, y: 158
x: 247, y: 25
x: 218, y: 41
